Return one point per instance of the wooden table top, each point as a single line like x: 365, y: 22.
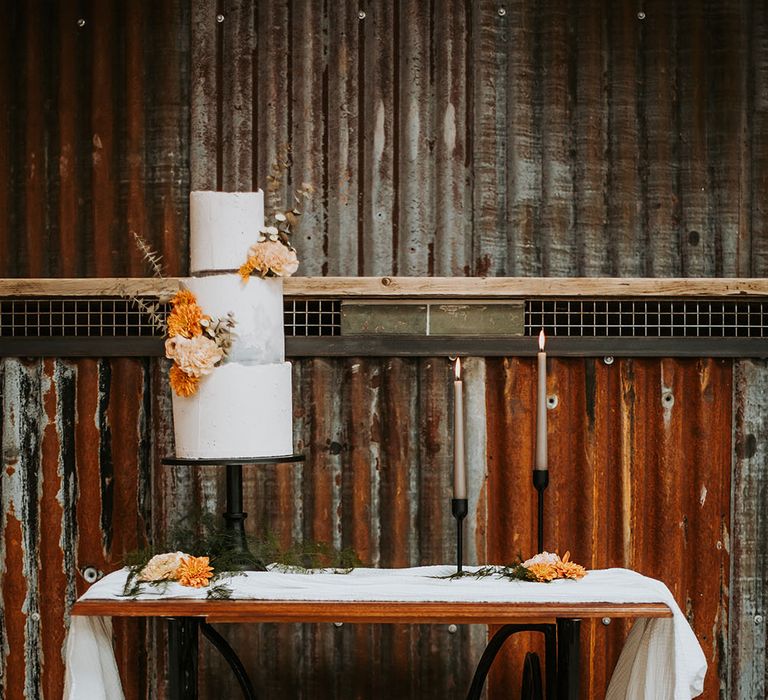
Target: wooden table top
x: 363, y: 612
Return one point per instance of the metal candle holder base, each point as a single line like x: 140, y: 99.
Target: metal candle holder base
x: 540, y: 482
x: 459, y: 508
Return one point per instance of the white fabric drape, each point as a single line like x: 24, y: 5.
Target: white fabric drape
x: 662, y: 658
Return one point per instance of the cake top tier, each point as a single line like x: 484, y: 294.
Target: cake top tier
x: 223, y: 226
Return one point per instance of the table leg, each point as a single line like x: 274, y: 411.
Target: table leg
x: 568, y: 658
x: 182, y: 658
x: 494, y: 647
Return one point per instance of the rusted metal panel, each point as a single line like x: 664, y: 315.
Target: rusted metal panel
x: 73, y: 488
x: 95, y: 143
x: 640, y: 475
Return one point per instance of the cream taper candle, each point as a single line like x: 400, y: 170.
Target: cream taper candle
x: 541, y: 406
x: 459, y: 465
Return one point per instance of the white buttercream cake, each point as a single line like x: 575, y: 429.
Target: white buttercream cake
x: 243, y: 407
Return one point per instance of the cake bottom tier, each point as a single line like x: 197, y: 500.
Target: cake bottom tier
x: 238, y: 411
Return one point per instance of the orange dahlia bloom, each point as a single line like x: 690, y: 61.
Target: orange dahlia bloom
x: 184, y: 296
x: 569, y: 569
x: 184, y: 320
x: 194, y: 572
x: 543, y: 572
x: 182, y: 383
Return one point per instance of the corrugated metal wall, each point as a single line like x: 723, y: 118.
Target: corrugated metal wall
x: 447, y: 138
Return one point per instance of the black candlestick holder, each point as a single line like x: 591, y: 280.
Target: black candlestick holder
x: 234, y: 516
x: 540, y: 483
x: 459, y: 508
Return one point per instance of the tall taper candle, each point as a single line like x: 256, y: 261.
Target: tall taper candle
x: 541, y: 406
x: 459, y: 467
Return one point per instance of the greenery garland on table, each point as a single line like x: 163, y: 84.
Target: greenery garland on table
x: 200, y: 554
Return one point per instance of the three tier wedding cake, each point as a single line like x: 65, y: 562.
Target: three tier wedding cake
x: 231, y: 384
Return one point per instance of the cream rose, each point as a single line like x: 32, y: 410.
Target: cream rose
x: 272, y: 256
x: 543, y: 558
x: 195, y: 356
x: 161, y: 567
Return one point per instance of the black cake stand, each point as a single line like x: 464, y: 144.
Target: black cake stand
x: 234, y: 517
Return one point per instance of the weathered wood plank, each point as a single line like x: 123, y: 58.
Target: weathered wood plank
x: 35, y: 163
x: 749, y: 533
x: 414, y: 140
x: 480, y: 287
x: 624, y: 187
x: 591, y: 139
x: 658, y: 97
x: 378, y: 176
x: 343, y: 244
x: 309, y: 133
x: 553, y: 131
x: 451, y: 253
x: 237, y: 40
x: 204, y: 87
x: 487, y: 79
x: 104, y: 141
x: 696, y: 245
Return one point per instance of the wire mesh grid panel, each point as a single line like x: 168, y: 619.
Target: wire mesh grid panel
x: 312, y: 317
x: 706, y: 318
x: 79, y: 317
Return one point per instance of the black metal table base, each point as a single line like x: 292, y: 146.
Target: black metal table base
x: 561, y: 660
x: 182, y: 658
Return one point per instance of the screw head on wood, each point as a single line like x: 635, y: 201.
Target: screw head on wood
x: 219, y: 18
x: 641, y: 15
x: 502, y: 11
x: 758, y: 619
x: 608, y: 359
x: 452, y: 629
x: 81, y: 22
x: 606, y: 621
x: 361, y: 14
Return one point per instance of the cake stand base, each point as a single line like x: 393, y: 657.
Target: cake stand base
x: 234, y: 516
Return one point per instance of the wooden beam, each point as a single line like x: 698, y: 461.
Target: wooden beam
x: 415, y: 287
x: 90, y: 287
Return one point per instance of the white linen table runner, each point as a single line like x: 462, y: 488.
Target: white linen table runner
x: 661, y: 660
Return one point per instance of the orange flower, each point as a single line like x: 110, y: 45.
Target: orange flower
x: 568, y: 569
x: 182, y: 383
x: 184, y: 296
x: 194, y: 572
x: 543, y: 572
x: 247, y: 268
x: 184, y: 320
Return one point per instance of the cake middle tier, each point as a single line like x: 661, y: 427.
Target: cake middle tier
x: 257, y: 306
x: 238, y: 411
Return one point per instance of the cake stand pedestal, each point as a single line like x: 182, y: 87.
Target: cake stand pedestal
x: 234, y: 516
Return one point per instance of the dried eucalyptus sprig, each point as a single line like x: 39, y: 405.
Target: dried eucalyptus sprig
x: 151, y: 256
x: 222, y: 332
x: 152, y: 310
